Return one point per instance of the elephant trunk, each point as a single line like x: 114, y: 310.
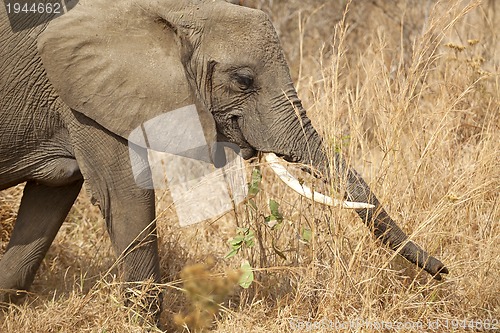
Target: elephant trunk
x: 381, y: 224
x: 357, y: 190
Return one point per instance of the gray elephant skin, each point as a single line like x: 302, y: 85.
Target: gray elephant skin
x: 74, y: 88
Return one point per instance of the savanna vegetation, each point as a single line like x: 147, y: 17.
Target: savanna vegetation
x: 409, y: 91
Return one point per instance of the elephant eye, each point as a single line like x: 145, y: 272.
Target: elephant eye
x: 245, y: 82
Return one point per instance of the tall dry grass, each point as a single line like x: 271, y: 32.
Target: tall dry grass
x: 409, y: 91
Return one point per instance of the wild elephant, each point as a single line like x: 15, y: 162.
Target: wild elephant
x: 75, y: 87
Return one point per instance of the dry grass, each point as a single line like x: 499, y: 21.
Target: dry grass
x: 410, y: 92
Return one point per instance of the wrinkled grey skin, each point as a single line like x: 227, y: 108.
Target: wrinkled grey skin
x: 72, y: 92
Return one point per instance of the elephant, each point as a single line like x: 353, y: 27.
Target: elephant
x: 74, y: 87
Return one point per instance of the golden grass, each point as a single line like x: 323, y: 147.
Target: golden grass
x: 410, y: 92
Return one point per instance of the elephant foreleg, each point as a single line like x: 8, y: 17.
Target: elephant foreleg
x: 141, y: 269
x: 128, y: 208
x: 134, y: 238
x: 42, y: 211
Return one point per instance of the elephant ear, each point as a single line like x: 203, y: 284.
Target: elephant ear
x: 121, y: 64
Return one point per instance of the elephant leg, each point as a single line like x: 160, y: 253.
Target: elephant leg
x: 129, y: 211
x: 137, y: 247
x: 132, y: 230
x: 42, y: 211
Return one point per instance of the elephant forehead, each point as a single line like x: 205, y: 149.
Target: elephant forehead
x: 240, y: 33
x: 251, y: 51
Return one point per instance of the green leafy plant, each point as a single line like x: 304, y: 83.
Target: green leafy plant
x: 244, y: 237
x: 254, y: 186
x: 276, y: 217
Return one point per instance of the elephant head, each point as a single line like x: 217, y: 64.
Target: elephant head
x: 123, y: 63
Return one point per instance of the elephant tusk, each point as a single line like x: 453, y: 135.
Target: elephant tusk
x: 305, y: 191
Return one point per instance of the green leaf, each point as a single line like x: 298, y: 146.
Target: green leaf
x: 236, y: 242
x: 274, y: 207
x: 275, y: 213
x: 254, y: 186
x: 250, y: 242
x: 245, y: 237
x: 270, y: 221
x: 306, y: 234
x: 238, y: 239
x: 246, y: 278
x: 231, y: 253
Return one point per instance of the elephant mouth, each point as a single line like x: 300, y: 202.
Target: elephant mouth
x: 248, y: 152
x: 244, y: 150
x: 236, y: 140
